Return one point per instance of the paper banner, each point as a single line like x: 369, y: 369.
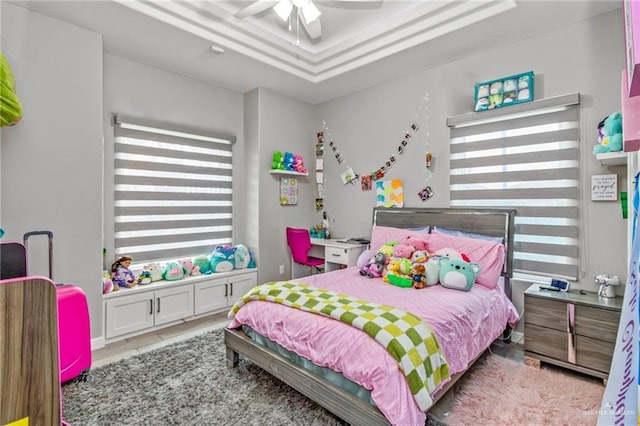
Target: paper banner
x: 288, y: 191
x: 389, y: 193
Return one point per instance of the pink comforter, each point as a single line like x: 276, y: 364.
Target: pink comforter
x: 465, y: 324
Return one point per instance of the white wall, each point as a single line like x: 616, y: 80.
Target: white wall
x: 368, y: 125
x: 52, y: 161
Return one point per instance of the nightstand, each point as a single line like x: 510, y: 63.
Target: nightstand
x: 569, y: 329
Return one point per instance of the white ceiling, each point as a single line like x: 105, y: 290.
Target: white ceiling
x: 363, y: 43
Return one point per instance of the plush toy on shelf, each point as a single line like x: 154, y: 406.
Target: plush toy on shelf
x: 223, y: 258
x: 278, y: 161
x: 155, y: 271
x: 173, y: 271
x: 289, y: 161
x: 609, y: 134
x: 144, y: 277
x: 298, y: 163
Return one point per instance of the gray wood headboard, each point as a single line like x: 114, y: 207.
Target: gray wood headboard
x: 494, y: 222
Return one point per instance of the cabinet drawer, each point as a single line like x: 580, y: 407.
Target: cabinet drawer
x: 546, y: 341
x: 601, y: 324
x: 594, y: 353
x: 337, y: 255
x: 546, y: 313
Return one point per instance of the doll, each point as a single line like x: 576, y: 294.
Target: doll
x: 121, y: 275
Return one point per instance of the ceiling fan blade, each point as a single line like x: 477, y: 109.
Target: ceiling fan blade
x: 255, y: 7
x: 313, y: 28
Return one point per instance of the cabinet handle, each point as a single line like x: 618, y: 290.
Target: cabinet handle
x: 226, y: 289
x: 158, y: 304
x: 231, y: 291
x: 571, y: 335
x: 150, y: 306
x: 335, y: 255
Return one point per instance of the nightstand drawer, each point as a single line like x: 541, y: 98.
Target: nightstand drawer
x: 546, y: 313
x: 546, y: 341
x: 597, y: 323
x: 337, y: 255
x: 592, y: 353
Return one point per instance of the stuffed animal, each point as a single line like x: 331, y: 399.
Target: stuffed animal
x: 450, y: 253
x: 278, y: 161
x: 419, y: 256
x: 298, y: 163
x: 241, y: 256
x: 387, y: 248
x: 432, y: 271
x: 289, y: 161
x: 402, y: 250
x: 419, y: 276
x: 609, y: 134
x: 203, y: 263
x: 187, y: 265
x: 107, y: 284
x: 195, y: 271
x: 400, y: 280
x: 222, y: 259
x: 416, y: 243
x: 375, y: 266
x: 172, y: 271
x: 458, y: 274
x: 155, y: 271
x: 144, y: 277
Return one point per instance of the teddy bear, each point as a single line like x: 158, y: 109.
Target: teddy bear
x: 609, y: 134
x: 418, y: 276
x: 278, y: 161
x: 298, y: 164
x: 403, y: 250
x: 458, y: 274
x: 289, y: 161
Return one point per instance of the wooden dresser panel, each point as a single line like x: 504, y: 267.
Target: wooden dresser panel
x: 546, y: 313
x: 546, y: 341
x: 592, y: 353
x: 598, y: 323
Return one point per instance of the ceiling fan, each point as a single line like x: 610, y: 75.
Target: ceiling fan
x: 306, y: 12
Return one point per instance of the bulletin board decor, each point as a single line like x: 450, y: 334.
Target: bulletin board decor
x: 288, y: 191
x: 604, y: 187
x: 389, y: 193
x: 505, y: 91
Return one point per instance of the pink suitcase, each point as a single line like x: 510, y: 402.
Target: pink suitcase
x: 74, y: 327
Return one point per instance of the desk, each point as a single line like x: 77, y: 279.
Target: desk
x: 336, y: 253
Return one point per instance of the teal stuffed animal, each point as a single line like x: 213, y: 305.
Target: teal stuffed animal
x: 609, y: 134
x: 173, y: 271
x: 203, y: 264
x: 458, y: 274
x: 223, y: 258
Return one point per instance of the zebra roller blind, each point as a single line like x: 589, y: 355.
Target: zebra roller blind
x: 525, y: 157
x: 173, y: 191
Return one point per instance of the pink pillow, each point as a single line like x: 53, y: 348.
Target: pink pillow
x: 488, y: 254
x: 384, y: 234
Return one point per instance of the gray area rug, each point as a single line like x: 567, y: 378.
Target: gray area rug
x: 188, y: 383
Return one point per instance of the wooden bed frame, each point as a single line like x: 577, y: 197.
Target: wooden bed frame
x: 348, y: 407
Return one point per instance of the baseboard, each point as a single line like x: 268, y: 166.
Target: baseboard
x: 97, y: 343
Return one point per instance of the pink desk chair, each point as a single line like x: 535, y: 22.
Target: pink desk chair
x: 299, y: 243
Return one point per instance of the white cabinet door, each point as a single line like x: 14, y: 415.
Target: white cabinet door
x: 128, y: 314
x: 240, y: 285
x: 211, y: 295
x: 173, y: 304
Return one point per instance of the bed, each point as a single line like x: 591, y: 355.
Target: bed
x: 308, y: 351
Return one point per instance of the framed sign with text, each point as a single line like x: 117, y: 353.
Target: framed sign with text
x: 604, y: 187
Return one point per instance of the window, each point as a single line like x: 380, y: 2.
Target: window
x: 173, y: 191
x: 524, y: 157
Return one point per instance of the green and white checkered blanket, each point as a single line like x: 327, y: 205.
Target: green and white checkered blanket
x: 407, y: 338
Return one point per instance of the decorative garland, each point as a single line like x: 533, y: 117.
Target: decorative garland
x: 366, y: 180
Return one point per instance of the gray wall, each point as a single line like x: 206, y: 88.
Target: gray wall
x: 51, y: 164
x: 368, y: 125
x: 52, y: 161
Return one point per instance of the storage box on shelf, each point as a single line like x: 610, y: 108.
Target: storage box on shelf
x: 570, y: 329
x: 150, y: 307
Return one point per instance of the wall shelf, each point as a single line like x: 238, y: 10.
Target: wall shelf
x: 612, y: 158
x: 288, y: 172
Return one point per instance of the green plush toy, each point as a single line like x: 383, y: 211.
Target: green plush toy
x: 10, y: 109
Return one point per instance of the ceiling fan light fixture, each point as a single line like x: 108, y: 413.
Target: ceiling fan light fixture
x: 283, y: 9
x: 310, y: 12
